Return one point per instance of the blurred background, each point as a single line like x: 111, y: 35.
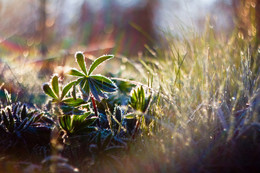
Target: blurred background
x: 39, y: 37
x: 112, y: 26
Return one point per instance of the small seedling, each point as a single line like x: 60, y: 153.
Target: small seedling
x: 59, y: 97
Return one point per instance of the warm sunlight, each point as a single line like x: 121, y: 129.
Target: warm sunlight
x: 129, y: 86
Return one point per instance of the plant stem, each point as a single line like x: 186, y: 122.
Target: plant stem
x: 136, y: 128
x: 95, y: 109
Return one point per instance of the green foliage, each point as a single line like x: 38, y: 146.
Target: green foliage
x: 74, y: 125
x: 5, y: 97
x: 92, y: 85
x: 139, y: 101
x: 19, y: 126
x: 103, y: 150
x: 54, y: 92
x: 205, y: 100
x: 98, y: 61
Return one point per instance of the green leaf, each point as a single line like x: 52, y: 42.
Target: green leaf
x: 104, y: 83
x: 102, y: 78
x: 130, y: 116
x: 22, y: 125
x: 24, y: 112
x: 73, y: 102
x: 99, y: 144
x: 46, y: 88
x: 4, y: 117
x: 11, y: 120
x: 118, y: 113
x: 98, y: 61
x: 55, y: 85
x: 29, y: 122
x: 107, y: 141
x: 89, y: 121
x: 73, y: 93
x: 84, y: 87
x: 100, y: 93
x: 81, y: 61
x: 65, y: 122
x: 7, y: 96
x: 85, y: 115
x: 75, y: 72
x: 38, y: 117
x: 66, y: 89
x: 104, y: 86
x: 93, y: 90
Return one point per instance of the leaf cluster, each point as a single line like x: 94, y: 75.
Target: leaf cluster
x: 92, y: 85
x: 139, y: 101
x: 19, y: 125
x: 77, y: 124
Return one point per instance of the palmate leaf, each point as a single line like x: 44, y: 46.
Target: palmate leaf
x: 54, y: 92
x: 80, y: 58
x: 98, y: 61
x: 92, y: 85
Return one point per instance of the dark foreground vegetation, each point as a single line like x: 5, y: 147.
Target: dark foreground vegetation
x: 191, y: 107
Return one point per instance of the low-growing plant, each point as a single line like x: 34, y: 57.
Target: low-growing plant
x: 82, y: 125
x: 103, y: 150
x: 92, y: 86
x: 74, y: 125
x: 139, y: 101
x: 22, y: 129
x: 59, y: 97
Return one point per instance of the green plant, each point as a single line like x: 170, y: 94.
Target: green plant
x: 104, y: 150
x: 140, y: 103
x: 59, y: 97
x: 92, y: 85
x: 117, y: 119
x: 74, y: 125
x: 23, y: 128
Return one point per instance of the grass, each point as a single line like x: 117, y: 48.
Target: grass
x: 208, y: 111
x: 206, y: 108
